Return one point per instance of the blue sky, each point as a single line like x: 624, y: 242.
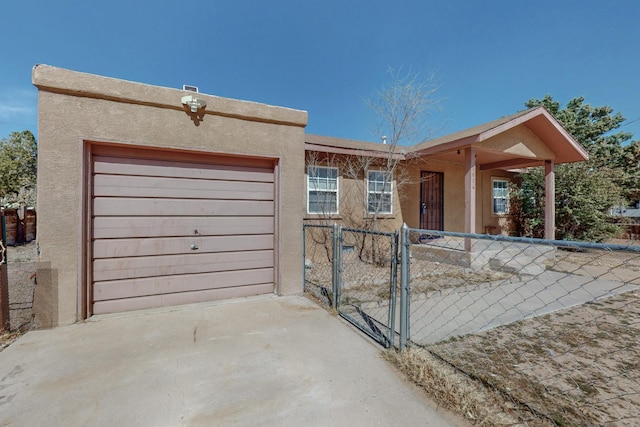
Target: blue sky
x: 327, y: 56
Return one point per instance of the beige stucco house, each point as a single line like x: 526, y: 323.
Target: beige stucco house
x: 458, y: 182
x: 151, y: 196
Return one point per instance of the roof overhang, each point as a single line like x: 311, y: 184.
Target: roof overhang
x: 559, y: 145
x: 544, y: 140
x: 325, y: 144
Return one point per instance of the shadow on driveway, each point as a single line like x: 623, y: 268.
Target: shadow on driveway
x: 259, y: 361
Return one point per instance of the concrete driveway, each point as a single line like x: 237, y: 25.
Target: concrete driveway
x: 262, y: 361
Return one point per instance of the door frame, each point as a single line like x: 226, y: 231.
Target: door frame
x: 91, y: 147
x: 440, y: 199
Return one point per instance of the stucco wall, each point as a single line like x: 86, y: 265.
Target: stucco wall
x: 453, y: 196
x: 519, y: 141
x: 500, y: 223
x: 453, y: 193
x: 77, y: 107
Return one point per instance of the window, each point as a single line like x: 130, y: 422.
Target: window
x: 500, y: 196
x: 379, y: 194
x: 322, y: 190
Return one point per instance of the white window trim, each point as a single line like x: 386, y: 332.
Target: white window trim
x: 493, y: 197
x: 390, y: 193
x: 337, y: 190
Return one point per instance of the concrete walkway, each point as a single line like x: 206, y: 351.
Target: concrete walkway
x: 262, y: 361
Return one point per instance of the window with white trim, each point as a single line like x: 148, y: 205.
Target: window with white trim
x: 322, y: 190
x: 500, y: 188
x: 379, y: 192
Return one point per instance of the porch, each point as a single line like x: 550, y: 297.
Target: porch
x: 483, y: 254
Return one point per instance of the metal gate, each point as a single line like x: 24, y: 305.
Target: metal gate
x: 355, y: 272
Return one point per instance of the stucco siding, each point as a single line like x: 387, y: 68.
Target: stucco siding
x: 519, y: 141
x: 500, y: 223
x: 453, y: 193
x: 454, y: 203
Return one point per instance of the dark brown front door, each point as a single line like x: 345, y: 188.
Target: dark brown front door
x: 431, y: 200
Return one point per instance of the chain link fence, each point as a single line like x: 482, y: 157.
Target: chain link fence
x: 552, y: 326
x: 355, y: 273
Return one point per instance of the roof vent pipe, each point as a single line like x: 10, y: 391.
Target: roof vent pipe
x: 384, y: 139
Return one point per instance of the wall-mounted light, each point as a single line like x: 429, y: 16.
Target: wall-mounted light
x: 193, y: 103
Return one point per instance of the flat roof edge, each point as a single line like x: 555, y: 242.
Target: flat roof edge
x: 74, y: 83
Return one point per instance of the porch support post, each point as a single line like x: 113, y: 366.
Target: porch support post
x: 549, y: 200
x: 469, y: 194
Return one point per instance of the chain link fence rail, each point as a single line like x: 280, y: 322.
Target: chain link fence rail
x: 552, y: 325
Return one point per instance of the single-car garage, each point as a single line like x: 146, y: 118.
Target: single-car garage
x: 152, y: 196
x: 175, y: 228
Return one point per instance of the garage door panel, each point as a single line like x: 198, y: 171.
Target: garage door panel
x: 113, y: 248
x: 145, y: 186
x: 134, y: 227
x: 166, y: 300
x: 183, y: 283
x: 160, y: 168
x: 166, y: 265
x: 107, y: 206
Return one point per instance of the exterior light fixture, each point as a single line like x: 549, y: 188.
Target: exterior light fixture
x: 193, y: 103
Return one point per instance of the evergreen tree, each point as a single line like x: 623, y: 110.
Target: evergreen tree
x: 585, y: 192
x: 18, y: 162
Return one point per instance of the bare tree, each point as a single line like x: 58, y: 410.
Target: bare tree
x: 403, y: 108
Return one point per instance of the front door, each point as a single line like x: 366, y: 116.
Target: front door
x: 431, y: 200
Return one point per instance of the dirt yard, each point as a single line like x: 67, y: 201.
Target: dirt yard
x: 579, y: 366
x: 573, y: 367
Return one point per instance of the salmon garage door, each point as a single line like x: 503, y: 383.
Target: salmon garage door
x: 168, y: 232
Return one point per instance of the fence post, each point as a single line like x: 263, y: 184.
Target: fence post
x: 304, y: 258
x: 4, y: 229
x: 334, y: 266
x: 393, y: 288
x: 338, y: 259
x: 404, y: 285
x: 4, y: 280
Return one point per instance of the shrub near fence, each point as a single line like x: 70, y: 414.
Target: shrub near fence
x: 552, y: 326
